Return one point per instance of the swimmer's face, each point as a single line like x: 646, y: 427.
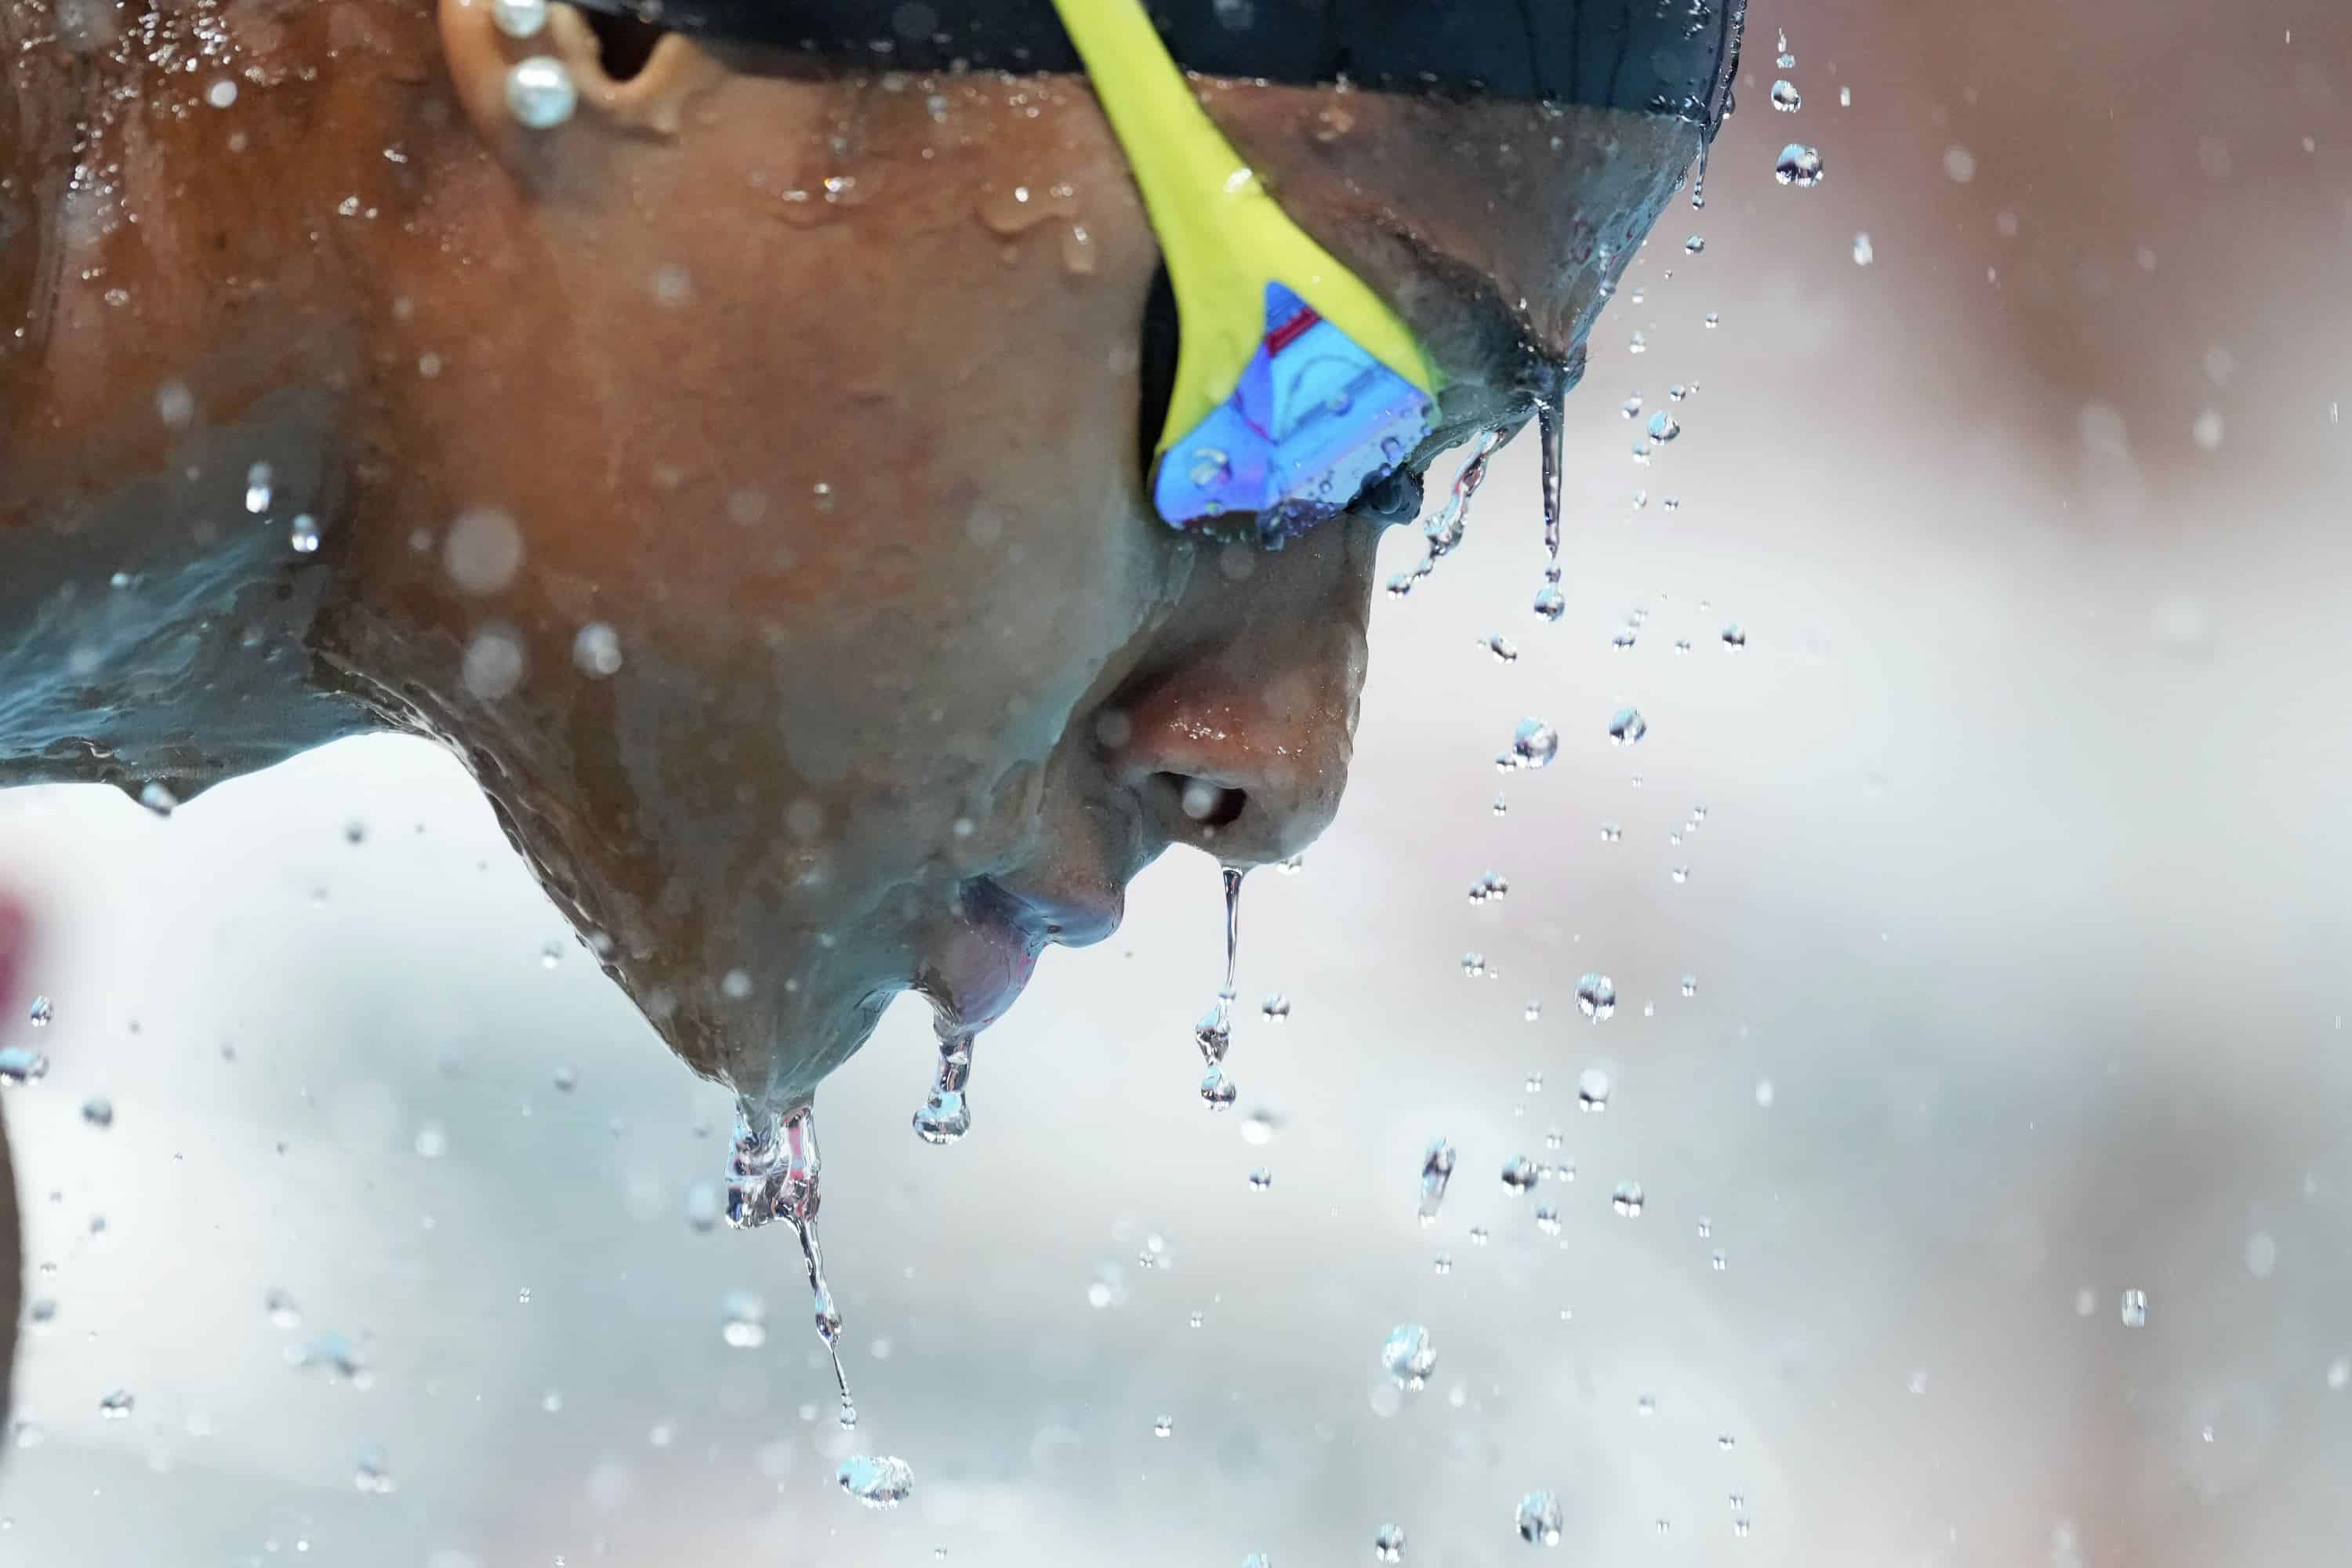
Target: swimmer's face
x: 823, y: 399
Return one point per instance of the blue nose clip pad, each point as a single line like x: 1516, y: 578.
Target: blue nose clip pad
x: 1312, y: 420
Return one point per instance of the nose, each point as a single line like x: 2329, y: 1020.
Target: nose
x: 1235, y: 738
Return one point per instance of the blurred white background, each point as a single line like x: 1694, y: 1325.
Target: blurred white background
x: 2019, y: 885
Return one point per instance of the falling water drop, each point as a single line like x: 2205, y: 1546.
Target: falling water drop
x: 1436, y: 1170
x: 1520, y: 1175
x: 117, y: 1405
x: 1799, y: 165
x: 1592, y: 1088
x: 99, y: 1112
x: 876, y: 1480
x: 1735, y: 635
x: 1626, y: 727
x: 21, y: 1064
x: 1409, y: 1354
x: 1275, y: 1009
x: 1214, y: 1031
x: 1500, y: 647
x: 256, y: 488
x: 946, y: 1115
x: 1539, y: 1518
x: 1534, y: 743
x: 1785, y: 95
x: 1388, y: 1544
x: 42, y: 1011
x: 2135, y: 1309
x: 1696, y: 245
x: 1664, y: 426
x: 158, y: 799
x: 1597, y: 995
x: 302, y: 534
x: 1627, y: 1199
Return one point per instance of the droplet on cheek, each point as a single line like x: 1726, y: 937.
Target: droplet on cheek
x: 484, y: 550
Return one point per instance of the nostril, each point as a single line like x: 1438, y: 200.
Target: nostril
x: 1210, y: 805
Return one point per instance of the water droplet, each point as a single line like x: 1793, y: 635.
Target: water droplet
x: 1533, y: 1010
x: 1388, y: 1544
x: 1436, y: 1171
x: 1258, y: 1560
x: 21, y: 1064
x: 1798, y: 165
x: 1163, y: 1426
x: 98, y: 1111
x: 1696, y: 244
x: 1637, y: 344
x: 1611, y: 832
x: 302, y: 534
x: 520, y: 18
x: 1632, y: 407
x: 2135, y: 1309
x: 1520, y: 1174
x: 1664, y: 426
x: 156, y: 798
x: 742, y: 1320
x: 1500, y: 647
x: 1592, y: 1088
x: 1473, y: 966
x: 540, y: 93
x: 1260, y: 1179
x: 596, y: 650
x: 1597, y: 995
x: 256, y: 488
x: 116, y: 1406
x: 1409, y: 1354
x: 1735, y: 635
x: 2340, y: 1374
x: 1534, y: 743
x: 1550, y: 603
x: 42, y: 1011
x: 1714, y: 320
x: 1863, y: 253
x: 774, y: 1173
x: 1276, y: 1009
x: 1785, y: 97
x: 946, y: 1114
x: 283, y: 1314
x: 1626, y: 727
x: 1209, y: 466
x: 877, y: 1481
x: 1626, y: 1199
x: 1764, y: 1092
x: 1539, y: 1518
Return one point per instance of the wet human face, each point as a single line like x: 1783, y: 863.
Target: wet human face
x: 771, y: 536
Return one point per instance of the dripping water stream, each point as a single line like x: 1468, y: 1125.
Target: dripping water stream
x: 1214, y: 1033
x: 1443, y: 532
x: 775, y: 1174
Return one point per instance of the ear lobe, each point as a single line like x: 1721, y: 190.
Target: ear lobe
x: 651, y: 101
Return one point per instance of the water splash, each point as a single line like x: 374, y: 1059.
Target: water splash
x: 774, y: 1174
x: 946, y: 1116
x: 1214, y: 1033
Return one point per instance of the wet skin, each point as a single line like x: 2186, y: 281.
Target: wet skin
x: 911, y: 682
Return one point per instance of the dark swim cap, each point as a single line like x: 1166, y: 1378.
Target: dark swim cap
x: 1663, y: 57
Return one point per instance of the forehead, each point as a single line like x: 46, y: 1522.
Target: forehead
x: 1665, y: 56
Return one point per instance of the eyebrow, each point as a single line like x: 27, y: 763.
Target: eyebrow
x: 1663, y: 57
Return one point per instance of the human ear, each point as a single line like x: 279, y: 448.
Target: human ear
x: 562, y: 57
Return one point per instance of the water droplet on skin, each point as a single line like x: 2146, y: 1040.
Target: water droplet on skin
x: 1539, y: 1518
x: 1798, y: 165
x: 1520, y: 1175
x: 1597, y: 995
x: 21, y: 1064
x: 256, y: 488
x: 1626, y: 727
x: 1626, y: 1199
x: 2135, y: 1309
x: 876, y: 1480
x: 1785, y: 97
x: 1534, y: 743
x: 1409, y: 1355
x: 42, y: 1011
x: 1436, y: 1171
x: 99, y: 1112
x: 1593, y: 1089
x: 1388, y: 1544
x: 116, y: 1406
x: 302, y: 534
x: 946, y: 1114
x: 1078, y: 251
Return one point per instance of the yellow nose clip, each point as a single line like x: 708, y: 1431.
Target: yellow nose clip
x: 1295, y: 384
